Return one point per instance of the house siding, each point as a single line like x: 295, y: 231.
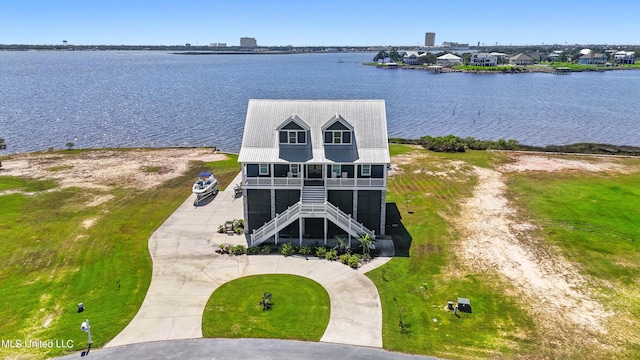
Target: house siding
x: 283, y: 199
x: 369, y: 204
x: 343, y: 199
x: 258, y: 207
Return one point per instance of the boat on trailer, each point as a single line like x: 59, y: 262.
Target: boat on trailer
x: 206, y: 185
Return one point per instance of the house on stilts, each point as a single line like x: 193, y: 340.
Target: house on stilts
x: 314, y: 169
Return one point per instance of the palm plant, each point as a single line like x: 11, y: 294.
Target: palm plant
x: 341, y: 245
x: 266, y: 301
x: 367, y: 242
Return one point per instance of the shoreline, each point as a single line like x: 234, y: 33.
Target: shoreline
x: 507, y: 69
x: 587, y: 149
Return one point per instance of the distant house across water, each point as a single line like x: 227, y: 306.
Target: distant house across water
x: 483, y: 59
x: 592, y: 58
x: 624, y: 57
x: 449, y: 60
x: 521, y: 59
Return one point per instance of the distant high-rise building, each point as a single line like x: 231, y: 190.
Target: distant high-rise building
x: 429, y: 39
x: 248, y: 42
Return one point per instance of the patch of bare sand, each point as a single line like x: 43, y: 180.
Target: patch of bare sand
x: 447, y: 169
x: 100, y: 199
x: 106, y: 169
x: 557, y: 295
x: 529, y: 162
x: 87, y: 223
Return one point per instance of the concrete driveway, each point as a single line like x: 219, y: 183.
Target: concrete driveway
x: 243, y: 349
x: 186, y: 271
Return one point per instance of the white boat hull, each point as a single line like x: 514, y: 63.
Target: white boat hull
x: 205, y: 186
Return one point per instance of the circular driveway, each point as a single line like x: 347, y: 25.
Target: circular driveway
x: 186, y: 271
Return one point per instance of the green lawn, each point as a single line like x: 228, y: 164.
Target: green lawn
x: 51, y: 262
x: 300, y: 309
x: 416, y: 284
x: 594, y: 221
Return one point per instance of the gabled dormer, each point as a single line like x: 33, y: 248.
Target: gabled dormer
x: 293, y: 131
x: 337, y: 131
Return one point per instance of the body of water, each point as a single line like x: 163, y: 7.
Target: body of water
x: 157, y: 99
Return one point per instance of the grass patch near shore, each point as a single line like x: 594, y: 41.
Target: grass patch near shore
x: 579, y: 67
x: 300, y: 309
x: 224, y: 170
x: 498, y: 68
x: 58, y: 252
x: 415, y: 285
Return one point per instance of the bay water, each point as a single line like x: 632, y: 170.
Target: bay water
x: 158, y: 99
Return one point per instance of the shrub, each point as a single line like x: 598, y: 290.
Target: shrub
x: 238, y: 223
x: 265, y: 249
x: 305, y: 250
x: 266, y: 301
x: 331, y: 255
x: 224, y: 249
x: 344, y: 258
x: 354, y: 261
x: 452, y: 143
x: 238, y: 250
x: 253, y: 250
x: 287, y: 249
x: 321, y: 251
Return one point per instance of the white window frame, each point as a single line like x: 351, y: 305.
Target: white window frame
x: 339, y: 138
x: 263, y: 169
x: 294, y: 169
x: 366, y: 172
x: 292, y: 135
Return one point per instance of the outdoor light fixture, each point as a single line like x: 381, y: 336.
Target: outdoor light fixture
x: 86, y: 328
x: 408, y: 201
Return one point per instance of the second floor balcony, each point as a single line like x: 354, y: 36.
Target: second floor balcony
x: 330, y: 176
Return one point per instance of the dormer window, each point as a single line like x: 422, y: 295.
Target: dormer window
x: 338, y: 131
x: 337, y: 137
x: 293, y: 137
x: 293, y: 131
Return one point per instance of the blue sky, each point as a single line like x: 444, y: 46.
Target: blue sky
x: 325, y: 22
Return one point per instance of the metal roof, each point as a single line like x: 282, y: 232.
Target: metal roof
x: 521, y: 56
x: 449, y: 57
x: 260, y: 142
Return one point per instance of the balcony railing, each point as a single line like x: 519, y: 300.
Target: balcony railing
x: 351, y: 182
x: 332, y: 182
x: 273, y: 181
